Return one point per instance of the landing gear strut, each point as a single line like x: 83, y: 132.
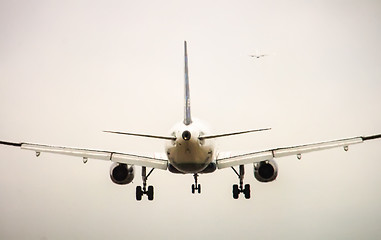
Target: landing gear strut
x: 140, y: 191
x: 196, y: 186
x: 240, y: 189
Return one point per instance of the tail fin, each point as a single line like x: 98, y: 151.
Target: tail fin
x: 187, y: 110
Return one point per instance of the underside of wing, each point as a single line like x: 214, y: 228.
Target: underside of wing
x: 86, y: 154
x: 254, y: 157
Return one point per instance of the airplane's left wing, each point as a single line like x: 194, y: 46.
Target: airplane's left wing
x: 254, y: 157
x: 94, y: 154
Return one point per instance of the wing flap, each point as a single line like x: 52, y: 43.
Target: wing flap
x: 244, y: 159
x: 288, y: 151
x: 95, y: 154
x: 85, y: 153
x: 138, y: 160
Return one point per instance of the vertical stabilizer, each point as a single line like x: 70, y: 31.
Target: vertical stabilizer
x: 187, y: 111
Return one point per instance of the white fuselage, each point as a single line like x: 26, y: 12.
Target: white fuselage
x: 189, y: 154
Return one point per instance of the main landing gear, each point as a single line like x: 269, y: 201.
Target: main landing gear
x: 240, y: 189
x: 140, y: 191
x: 196, y: 186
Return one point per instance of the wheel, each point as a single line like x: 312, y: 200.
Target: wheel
x: 199, y: 189
x: 247, y: 191
x: 139, y: 193
x: 150, y: 193
x: 193, y: 188
x: 235, y: 191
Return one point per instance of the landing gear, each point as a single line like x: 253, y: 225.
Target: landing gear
x: 237, y: 189
x: 140, y: 191
x: 196, y: 186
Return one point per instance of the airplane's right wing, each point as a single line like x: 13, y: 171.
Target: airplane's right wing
x: 254, y: 157
x: 94, y: 154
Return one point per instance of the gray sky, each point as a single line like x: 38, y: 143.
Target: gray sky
x: 70, y: 69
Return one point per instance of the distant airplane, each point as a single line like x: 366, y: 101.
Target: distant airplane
x: 258, y: 56
x: 190, y: 149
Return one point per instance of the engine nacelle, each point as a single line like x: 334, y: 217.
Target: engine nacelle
x: 266, y: 171
x: 121, y: 174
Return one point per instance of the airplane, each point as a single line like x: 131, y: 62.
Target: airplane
x: 258, y: 55
x: 190, y: 149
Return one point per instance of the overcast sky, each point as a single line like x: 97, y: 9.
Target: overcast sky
x: 70, y: 69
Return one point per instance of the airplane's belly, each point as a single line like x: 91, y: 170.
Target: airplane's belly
x: 190, y: 158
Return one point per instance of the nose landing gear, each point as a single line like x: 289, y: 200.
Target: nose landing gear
x: 240, y: 189
x: 196, y: 186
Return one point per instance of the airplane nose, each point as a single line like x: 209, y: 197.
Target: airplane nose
x: 186, y: 135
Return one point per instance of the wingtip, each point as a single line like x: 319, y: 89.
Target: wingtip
x: 371, y: 137
x: 11, y: 144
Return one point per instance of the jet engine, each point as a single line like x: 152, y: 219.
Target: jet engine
x: 266, y: 171
x: 121, y: 174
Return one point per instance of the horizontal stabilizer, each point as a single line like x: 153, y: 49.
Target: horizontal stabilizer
x: 234, y: 133
x: 142, y: 135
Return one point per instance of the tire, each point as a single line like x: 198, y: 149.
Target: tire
x: 247, y: 191
x: 235, y: 191
x: 150, y: 193
x: 193, y: 188
x: 199, y: 188
x: 139, y: 193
